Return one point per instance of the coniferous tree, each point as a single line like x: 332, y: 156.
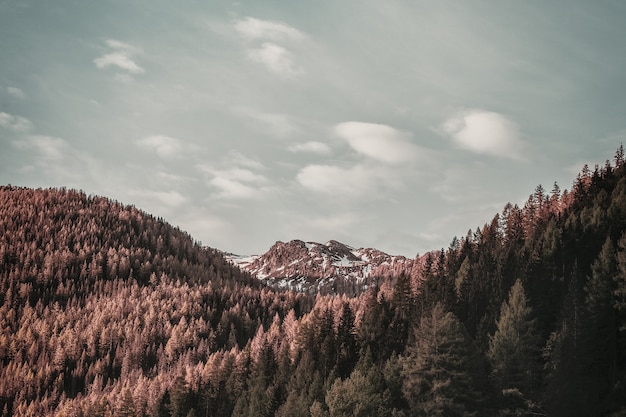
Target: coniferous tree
x: 440, y: 367
x: 360, y: 395
x: 599, y: 353
x: 513, y: 349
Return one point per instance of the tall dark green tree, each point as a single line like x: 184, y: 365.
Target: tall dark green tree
x: 514, y: 347
x: 439, y: 369
x: 360, y: 395
x: 599, y: 337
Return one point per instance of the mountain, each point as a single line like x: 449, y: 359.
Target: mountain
x: 315, y: 267
x: 97, y: 297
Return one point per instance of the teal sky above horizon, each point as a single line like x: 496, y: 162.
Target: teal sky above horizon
x: 390, y: 124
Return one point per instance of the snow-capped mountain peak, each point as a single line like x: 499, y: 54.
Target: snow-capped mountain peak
x: 310, y: 265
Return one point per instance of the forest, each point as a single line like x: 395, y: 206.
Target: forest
x: 106, y: 310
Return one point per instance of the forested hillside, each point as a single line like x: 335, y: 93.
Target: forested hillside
x: 108, y: 311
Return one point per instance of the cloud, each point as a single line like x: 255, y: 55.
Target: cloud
x: 231, y: 189
x: 122, y: 46
x: 377, y: 141
x: 164, y: 146
x: 120, y: 57
x: 269, y: 53
x: 120, y: 60
x: 276, y: 59
x: 252, y: 29
x: 49, y: 148
x: 311, y: 147
x: 237, y: 180
x: 334, y: 180
x: 236, y: 158
x: 485, y: 132
x: 16, y: 123
x: 16, y: 92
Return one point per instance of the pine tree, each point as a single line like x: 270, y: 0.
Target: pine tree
x: 440, y: 369
x: 619, y: 156
x: 513, y: 349
x: 599, y: 337
x: 127, y: 407
x: 360, y: 395
x: 346, y: 342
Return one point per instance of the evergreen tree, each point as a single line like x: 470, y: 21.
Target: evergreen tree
x: 440, y: 368
x: 346, y: 342
x: 599, y: 337
x: 360, y: 395
x: 127, y: 406
x: 513, y: 349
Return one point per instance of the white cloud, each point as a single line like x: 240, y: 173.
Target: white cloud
x: 377, y: 141
x: 311, y: 147
x: 16, y: 92
x: 49, y: 148
x: 334, y: 180
x: 231, y: 189
x: 252, y: 29
x: 273, y: 56
x: 276, y: 59
x: 122, y: 46
x: 164, y: 146
x: 120, y: 57
x: 17, y: 123
x: 485, y: 132
x: 237, y: 180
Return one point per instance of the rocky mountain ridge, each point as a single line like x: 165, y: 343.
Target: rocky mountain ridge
x: 316, y: 267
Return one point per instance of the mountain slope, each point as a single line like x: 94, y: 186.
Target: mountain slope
x: 97, y: 296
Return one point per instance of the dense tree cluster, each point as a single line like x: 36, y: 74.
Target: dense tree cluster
x: 108, y: 311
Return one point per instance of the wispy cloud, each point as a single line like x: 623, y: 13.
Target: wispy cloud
x: 48, y: 156
x: 122, y: 46
x: 231, y: 189
x: 311, y: 147
x: 235, y: 158
x: 269, y: 53
x: 485, y: 132
x: 276, y: 59
x: 120, y: 60
x: 237, y: 179
x: 380, y: 142
x: 357, y: 180
x: 120, y: 57
x: 252, y: 28
x: 16, y: 92
x: 164, y: 146
x: 16, y: 123
x: 48, y: 148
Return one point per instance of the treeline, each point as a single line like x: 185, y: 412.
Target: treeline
x: 524, y: 316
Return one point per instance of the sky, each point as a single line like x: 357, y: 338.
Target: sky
x: 393, y: 124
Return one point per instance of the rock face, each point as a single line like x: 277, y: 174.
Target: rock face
x: 329, y: 267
